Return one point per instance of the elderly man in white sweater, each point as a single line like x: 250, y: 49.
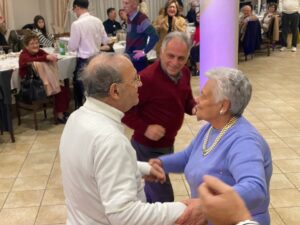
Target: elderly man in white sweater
x: 290, y: 21
x: 102, y: 179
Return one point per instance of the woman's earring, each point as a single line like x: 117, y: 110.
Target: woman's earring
x: 221, y: 112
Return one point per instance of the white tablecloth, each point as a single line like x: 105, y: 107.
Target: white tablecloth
x: 66, y: 66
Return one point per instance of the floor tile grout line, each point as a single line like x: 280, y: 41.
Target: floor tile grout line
x: 43, y: 195
x: 15, y: 178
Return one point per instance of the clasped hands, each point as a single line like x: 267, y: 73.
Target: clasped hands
x: 218, y: 202
x: 193, y: 213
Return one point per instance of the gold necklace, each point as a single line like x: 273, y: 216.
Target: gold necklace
x: 206, y: 150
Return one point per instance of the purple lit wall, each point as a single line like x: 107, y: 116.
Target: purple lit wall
x: 218, y: 35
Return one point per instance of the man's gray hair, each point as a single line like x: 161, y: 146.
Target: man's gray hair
x: 99, y: 76
x: 176, y: 34
x: 246, y: 6
x: 232, y: 85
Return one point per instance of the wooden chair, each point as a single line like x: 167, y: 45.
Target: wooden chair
x: 15, y: 39
x: 251, y: 40
x: 65, y: 34
x: 33, y: 107
x: 272, y: 35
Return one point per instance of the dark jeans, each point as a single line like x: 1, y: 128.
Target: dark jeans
x: 77, y: 83
x: 195, y: 54
x: 290, y: 22
x: 155, y: 192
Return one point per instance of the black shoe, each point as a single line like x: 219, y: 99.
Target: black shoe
x: 61, y: 120
x: 66, y: 115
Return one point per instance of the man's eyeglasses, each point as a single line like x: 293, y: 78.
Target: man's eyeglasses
x: 136, y: 82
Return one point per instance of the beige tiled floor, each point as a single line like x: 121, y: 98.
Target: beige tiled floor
x: 30, y: 181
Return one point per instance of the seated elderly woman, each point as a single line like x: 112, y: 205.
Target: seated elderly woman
x: 168, y: 22
x: 32, y: 53
x: 268, y: 16
x: 228, y: 147
x: 247, y: 15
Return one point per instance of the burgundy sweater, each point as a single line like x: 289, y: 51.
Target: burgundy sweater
x: 25, y: 58
x: 162, y: 102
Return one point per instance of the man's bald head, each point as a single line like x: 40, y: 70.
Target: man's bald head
x: 102, y: 71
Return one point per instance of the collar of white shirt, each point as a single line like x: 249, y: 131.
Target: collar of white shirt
x: 84, y: 15
x: 103, y: 108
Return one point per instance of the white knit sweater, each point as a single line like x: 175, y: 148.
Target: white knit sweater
x: 289, y: 6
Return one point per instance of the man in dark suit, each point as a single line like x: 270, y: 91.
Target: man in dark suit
x: 111, y: 25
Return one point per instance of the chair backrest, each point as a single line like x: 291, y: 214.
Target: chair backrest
x: 15, y: 39
x: 65, y: 34
x: 252, y: 38
x: 29, y: 26
x: 270, y: 31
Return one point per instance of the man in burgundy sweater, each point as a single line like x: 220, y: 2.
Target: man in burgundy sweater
x: 164, y: 97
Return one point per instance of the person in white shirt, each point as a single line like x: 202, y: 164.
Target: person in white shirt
x: 87, y: 35
x: 102, y: 180
x: 290, y: 21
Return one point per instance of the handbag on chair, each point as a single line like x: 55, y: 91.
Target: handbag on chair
x: 32, y: 87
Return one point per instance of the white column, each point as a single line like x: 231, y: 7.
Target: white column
x: 218, y: 35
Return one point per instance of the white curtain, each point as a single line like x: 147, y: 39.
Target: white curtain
x: 4, y: 11
x: 60, y: 15
x: 3, y: 8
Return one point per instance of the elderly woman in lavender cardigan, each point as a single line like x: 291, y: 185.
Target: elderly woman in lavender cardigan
x: 228, y: 146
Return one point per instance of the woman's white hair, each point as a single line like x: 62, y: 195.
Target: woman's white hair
x: 232, y: 85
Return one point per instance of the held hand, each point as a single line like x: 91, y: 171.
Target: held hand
x: 157, y: 174
x: 155, y: 132
x: 155, y: 161
x: 51, y: 58
x: 221, y: 205
x: 193, y: 214
x: 138, y: 54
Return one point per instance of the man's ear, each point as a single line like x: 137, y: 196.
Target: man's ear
x: 114, y: 91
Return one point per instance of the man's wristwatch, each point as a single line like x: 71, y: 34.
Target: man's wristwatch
x: 248, y: 222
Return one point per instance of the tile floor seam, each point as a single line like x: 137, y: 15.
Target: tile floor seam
x: 278, y: 214
x: 43, y: 195
x: 290, y: 181
x: 15, y: 178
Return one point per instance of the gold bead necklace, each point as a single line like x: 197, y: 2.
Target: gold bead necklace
x: 206, y: 150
